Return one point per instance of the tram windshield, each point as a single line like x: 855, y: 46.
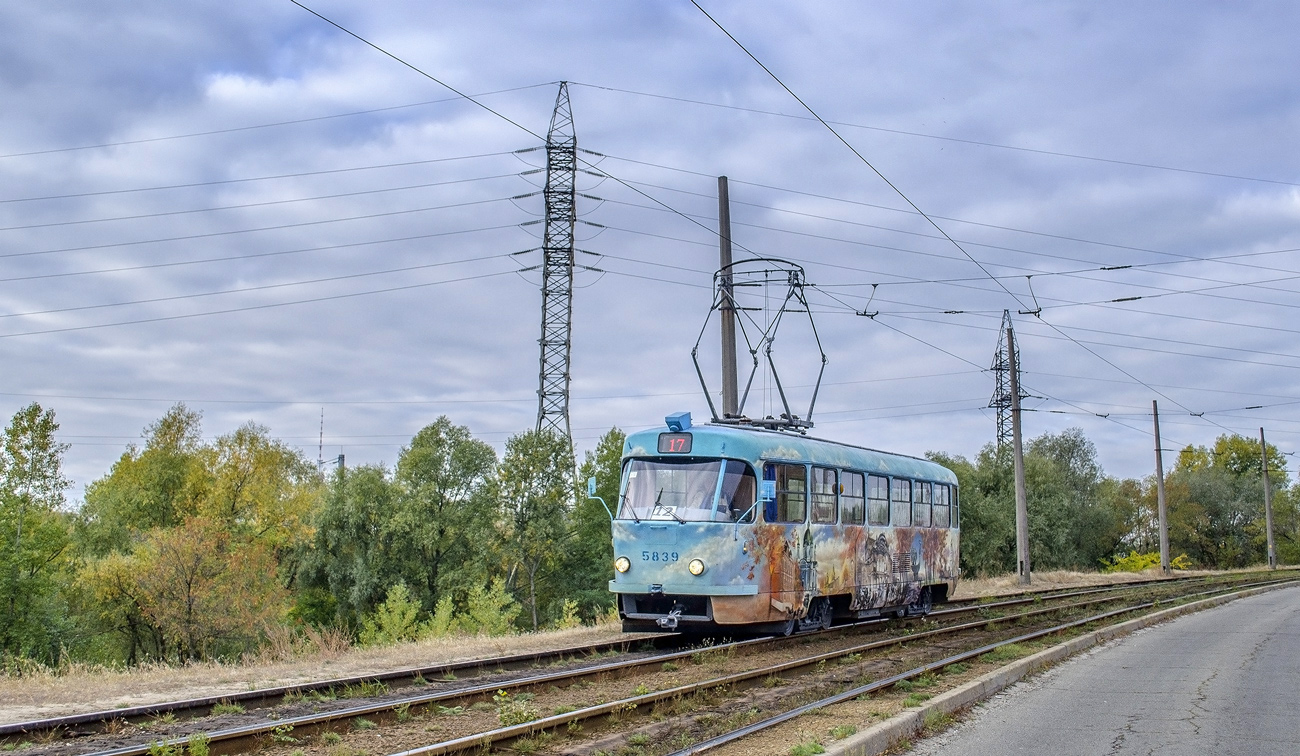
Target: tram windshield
x: 688, y: 491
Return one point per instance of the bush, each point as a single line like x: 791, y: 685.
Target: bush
x: 490, y: 611
x: 1136, y: 562
x: 394, y: 621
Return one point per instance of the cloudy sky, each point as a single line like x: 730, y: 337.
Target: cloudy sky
x: 238, y: 206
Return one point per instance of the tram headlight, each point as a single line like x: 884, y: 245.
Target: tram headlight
x: 696, y: 567
x: 622, y: 564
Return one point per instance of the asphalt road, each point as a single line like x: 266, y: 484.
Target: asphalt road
x: 1222, y: 681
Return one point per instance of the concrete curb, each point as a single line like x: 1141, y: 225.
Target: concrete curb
x: 881, y: 737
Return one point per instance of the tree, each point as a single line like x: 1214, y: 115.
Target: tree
x: 536, y: 490
x: 258, y: 488
x: 443, y: 514
x: 34, y: 533
x: 206, y: 589
x: 147, y: 488
x: 350, y: 555
x: 589, y: 557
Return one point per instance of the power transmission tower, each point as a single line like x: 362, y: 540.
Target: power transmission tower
x: 557, y: 267
x: 1001, y: 368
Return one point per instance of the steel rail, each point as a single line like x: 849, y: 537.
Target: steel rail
x: 619, y: 668
x: 935, y: 666
x: 487, y: 739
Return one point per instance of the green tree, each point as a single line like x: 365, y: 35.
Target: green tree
x: 152, y: 487
x: 34, y: 534
x: 350, y: 556
x: 588, y: 557
x: 536, y: 490
x: 443, y: 514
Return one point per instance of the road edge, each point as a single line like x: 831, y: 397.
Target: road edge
x: 881, y: 737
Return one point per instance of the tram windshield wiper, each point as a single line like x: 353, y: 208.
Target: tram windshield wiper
x: 666, y: 510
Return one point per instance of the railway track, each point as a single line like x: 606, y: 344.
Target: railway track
x: 473, y: 707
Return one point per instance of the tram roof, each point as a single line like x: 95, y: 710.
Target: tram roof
x: 751, y: 443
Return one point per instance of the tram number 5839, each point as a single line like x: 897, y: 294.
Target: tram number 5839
x: 659, y: 556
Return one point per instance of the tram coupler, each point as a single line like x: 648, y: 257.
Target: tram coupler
x: 670, y: 622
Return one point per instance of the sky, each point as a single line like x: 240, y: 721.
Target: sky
x: 239, y: 206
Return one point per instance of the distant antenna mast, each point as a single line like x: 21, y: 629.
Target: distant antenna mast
x: 557, y: 267
x: 761, y: 272
x: 320, y: 447
x: 1001, y: 368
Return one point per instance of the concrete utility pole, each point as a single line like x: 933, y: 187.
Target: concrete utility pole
x: 730, y: 390
x: 1268, y: 501
x: 1160, y: 494
x: 1022, y: 506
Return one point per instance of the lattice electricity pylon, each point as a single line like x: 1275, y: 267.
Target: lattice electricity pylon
x: 557, y: 267
x: 761, y: 272
x: 1001, y: 368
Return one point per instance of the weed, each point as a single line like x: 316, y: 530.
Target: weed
x: 343, y: 750
x: 670, y: 667
x: 742, y: 718
x: 638, y: 739
x: 773, y: 681
x: 573, y: 727
x: 937, y: 720
x: 905, y: 685
x: 361, y: 723
x: 526, y: 745
x: 297, y: 752
x: 160, y: 748
x: 167, y: 718
x: 403, y: 712
x: 642, y: 690
x: 852, y: 659
x: 364, y: 689
x: 926, y: 680
x: 281, y: 734
x: 808, y: 748
x: 564, y: 709
x: 960, y: 668
x: 616, y: 715
x: 450, y: 675
x: 821, y: 666
x: 197, y: 745
x: 419, y: 680
x: 226, y: 707
x: 514, y: 710
x: 681, y: 741
x: 295, y: 696
x: 331, y: 738
x: 451, y: 711
x: 841, y: 732
x: 1003, y: 654
x: 481, y: 706
x: 915, y: 699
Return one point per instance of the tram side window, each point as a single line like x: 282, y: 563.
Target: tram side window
x: 941, y: 506
x: 823, y: 495
x: 877, y: 500
x: 900, y: 497
x: 956, y: 521
x: 738, y: 489
x: 852, y: 500
x: 921, y: 499
x: 791, y: 503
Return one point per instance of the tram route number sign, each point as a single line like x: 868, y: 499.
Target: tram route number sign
x: 674, y: 443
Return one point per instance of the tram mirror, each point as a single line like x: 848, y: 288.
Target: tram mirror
x: 767, y: 490
x: 591, y: 486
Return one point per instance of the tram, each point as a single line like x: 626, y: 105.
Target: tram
x: 740, y: 528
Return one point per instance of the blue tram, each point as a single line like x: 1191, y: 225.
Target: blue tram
x: 723, y: 527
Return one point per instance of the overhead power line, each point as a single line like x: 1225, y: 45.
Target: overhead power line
x: 234, y: 129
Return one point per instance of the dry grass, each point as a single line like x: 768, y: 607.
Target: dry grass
x: 988, y: 586
x: 82, y: 688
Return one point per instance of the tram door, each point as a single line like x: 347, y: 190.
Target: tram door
x: 877, y: 579
x: 824, y: 490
